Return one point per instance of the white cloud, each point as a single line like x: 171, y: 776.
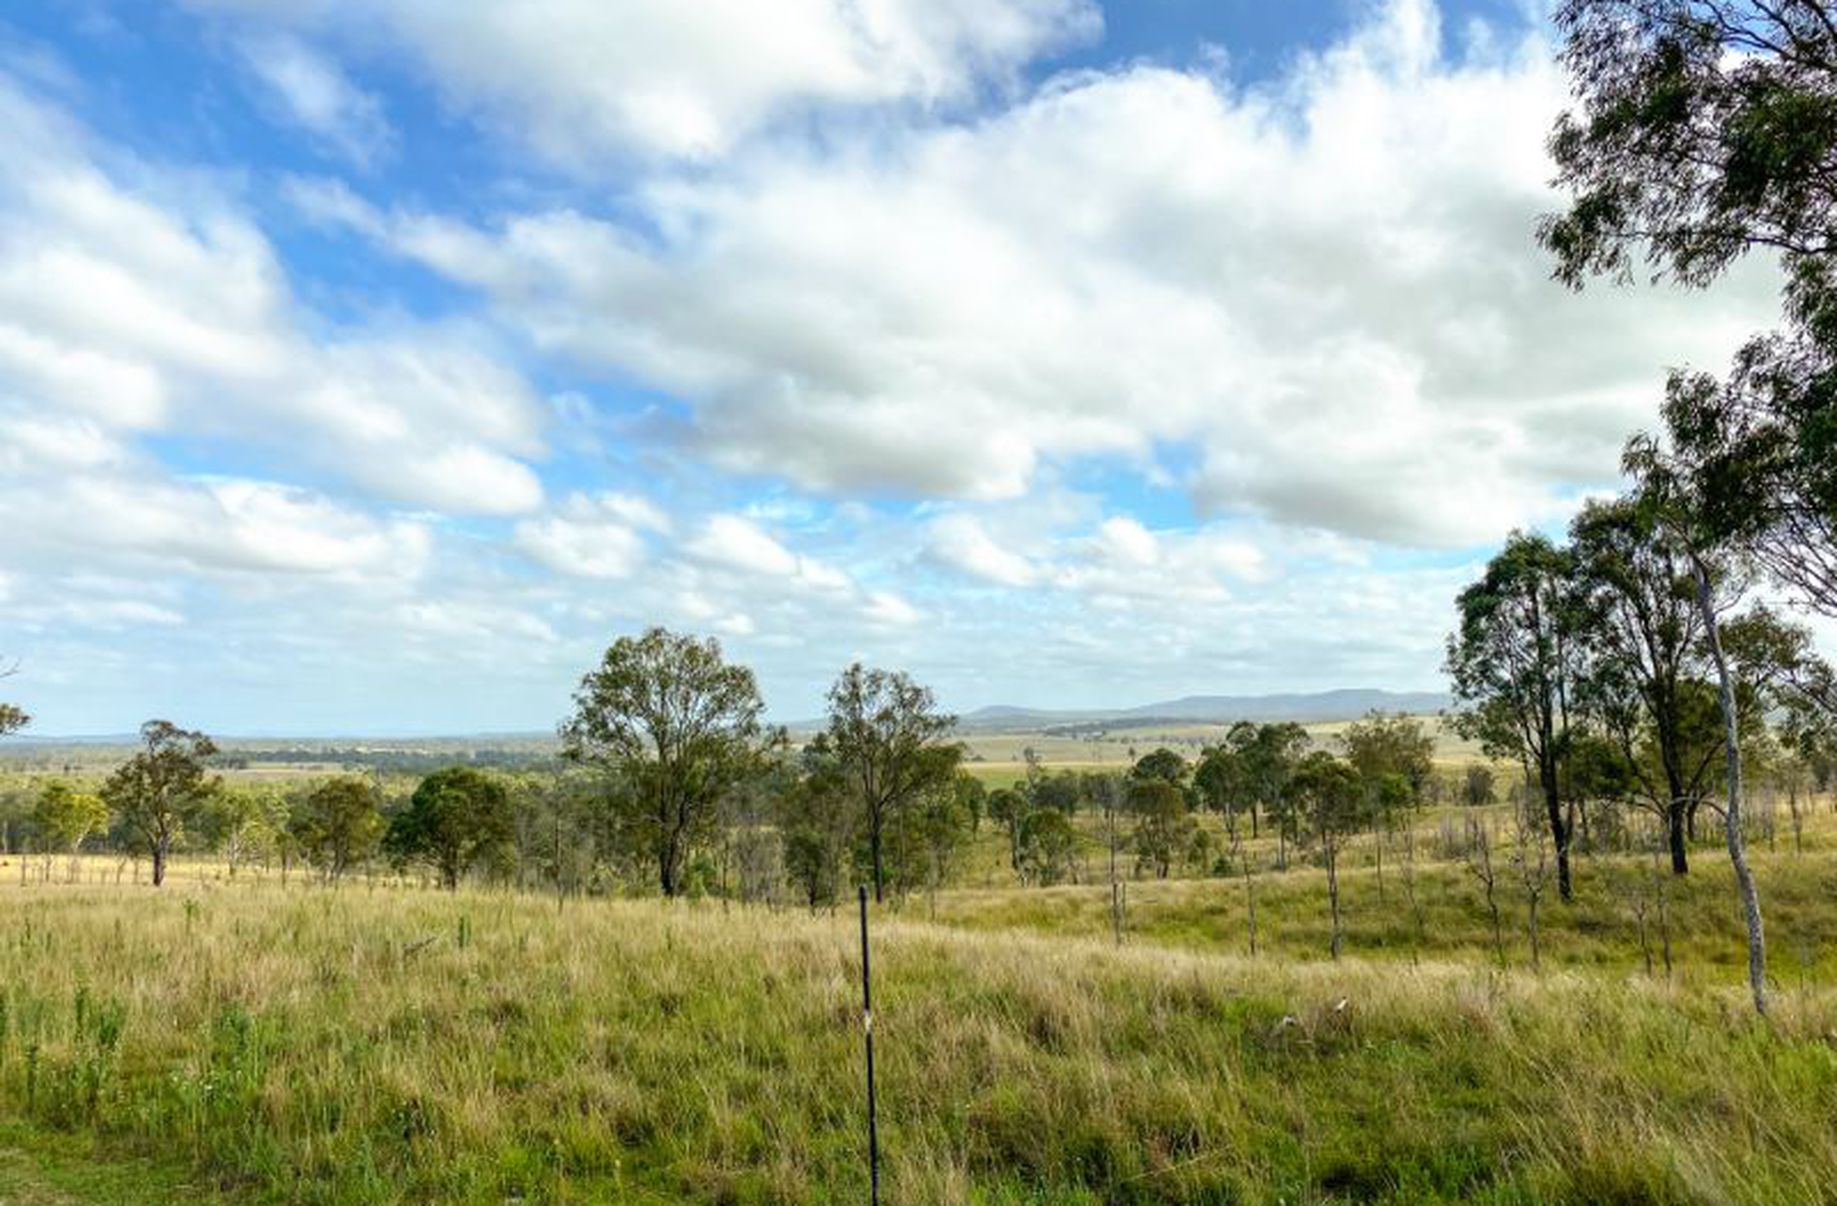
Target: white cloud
x: 1326, y: 286
x: 599, y: 537
x: 314, y: 93
x: 580, y: 80
x: 961, y: 542
x: 449, y: 620
x: 736, y: 543
x: 144, y: 302
x: 131, y: 515
x: 887, y: 608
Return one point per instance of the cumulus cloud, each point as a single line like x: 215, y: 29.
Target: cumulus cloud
x: 145, y: 304
x: 592, y: 537
x: 224, y: 525
x: 580, y: 80
x: 1326, y: 287
x: 960, y: 541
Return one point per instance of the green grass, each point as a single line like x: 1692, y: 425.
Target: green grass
x: 242, y: 1042
x: 394, y: 1045
x: 47, y: 1168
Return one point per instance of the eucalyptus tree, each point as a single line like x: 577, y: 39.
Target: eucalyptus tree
x: 457, y: 819
x: 1048, y: 847
x: 1269, y: 754
x: 1333, y: 804
x: 1703, y: 130
x: 64, y: 817
x: 1222, y: 781
x: 1682, y: 510
x: 1009, y: 807
x: 338, y: 824
x: 818, y: 820
x: 12, y: 716
x: 241, y: 824
x: 160, y: 790
x: 1642, y: 630
x: 676, y: 727
x: 1163, y: 822
x: 1513, y: 663
x: 890, y: 738
x: 1384, y: 743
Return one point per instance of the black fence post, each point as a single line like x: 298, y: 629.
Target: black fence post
x: 867, y: 1024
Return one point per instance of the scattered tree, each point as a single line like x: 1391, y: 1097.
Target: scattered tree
x: 1513, y: 665
x: 64, y: 817
x: 338, y: 825
x: 158, y: 791
x: 888, y: 736
x: 676, y: 728
x: 457, y: 819
x: 1332, y: 804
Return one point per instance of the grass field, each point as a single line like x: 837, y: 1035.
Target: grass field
x: 378, y: 1043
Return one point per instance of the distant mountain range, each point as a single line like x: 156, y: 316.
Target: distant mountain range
x: 1315, y: 707
x: 1318, y: 706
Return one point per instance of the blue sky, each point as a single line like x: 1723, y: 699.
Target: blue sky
x: 371, y: 377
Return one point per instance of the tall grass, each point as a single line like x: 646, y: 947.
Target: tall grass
x: 394, y: 1045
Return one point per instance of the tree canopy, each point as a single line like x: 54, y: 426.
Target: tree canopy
x: 677, y: 727
x: 1704, y: 129
x: 158, y: 791
x: 457, y: 818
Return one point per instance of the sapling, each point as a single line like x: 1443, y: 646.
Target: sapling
x: 1479, y: 861
x: 1530, y: 857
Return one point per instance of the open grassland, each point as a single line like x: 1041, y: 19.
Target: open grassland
x: 390, y: 1044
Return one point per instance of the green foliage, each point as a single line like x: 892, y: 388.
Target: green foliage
x: 888, y: 738
x: 338, y: 824
x: 65, y: 816
x: 457, y: 819
x: 160, y: 790
x: 1706, y: 129
x: 243, y: 824
x: 1048, y: 847
x: 1514, y: 664
x: 1163, y: 823
x: 1331, y: 798
x: 1163, y: 765
x: 1384, y: 747
x: 1009, y: 809
x: 818, y: 819
x: 676, y: 728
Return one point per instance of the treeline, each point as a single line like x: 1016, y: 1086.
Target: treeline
x: 391, y: 760
x: 672, y: 784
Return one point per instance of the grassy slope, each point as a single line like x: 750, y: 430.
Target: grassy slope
x: 293, y: 1048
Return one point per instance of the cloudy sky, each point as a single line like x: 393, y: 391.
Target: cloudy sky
x: 372, y: 376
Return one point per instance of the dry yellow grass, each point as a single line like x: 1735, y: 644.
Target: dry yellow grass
x: 390, y: 1044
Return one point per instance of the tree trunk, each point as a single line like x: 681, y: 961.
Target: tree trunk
x: 1559, y: 834
x: 1250, y: 903
x: 1731, y: 819
x: 1333, y: 895
x: 874, y: 843
x: 159, y: 862
x: 1677, y: 835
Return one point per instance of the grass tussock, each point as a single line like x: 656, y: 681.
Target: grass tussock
x: 394, y: 1045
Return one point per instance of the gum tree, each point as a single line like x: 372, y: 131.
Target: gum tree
x: 677, y: 728
x: 889, y: 737
x: 158, y: 791
x: 1513, y: 664
x: 458, y: 818
x: 1703, y: 130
